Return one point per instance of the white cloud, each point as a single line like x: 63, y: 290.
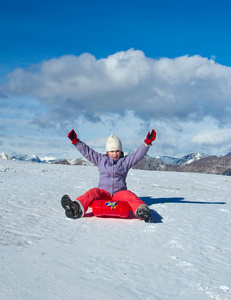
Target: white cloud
x: 184, y: 87
x: 213, y: 137
x: 186, y: 99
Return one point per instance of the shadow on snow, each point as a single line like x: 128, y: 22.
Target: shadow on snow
x: 150, y: 201
x: 158, y: 218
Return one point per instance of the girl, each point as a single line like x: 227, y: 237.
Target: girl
x: 113, y: 169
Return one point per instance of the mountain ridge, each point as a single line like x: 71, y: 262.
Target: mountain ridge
x: 193, y: 162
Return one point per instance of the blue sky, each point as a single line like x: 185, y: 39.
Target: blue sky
x: 120, y: 67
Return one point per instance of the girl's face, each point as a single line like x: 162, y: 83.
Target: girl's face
x: 114, y: 154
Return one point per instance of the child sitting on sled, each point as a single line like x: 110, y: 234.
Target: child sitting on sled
x: 113, y: 169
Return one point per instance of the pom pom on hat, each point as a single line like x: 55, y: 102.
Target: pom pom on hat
x: 113, y: 143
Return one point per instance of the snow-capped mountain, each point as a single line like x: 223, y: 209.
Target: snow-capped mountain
x: 194, y: 162
x: 79, y: 162
x: 187, y: 159
x: 82, y: 161
x: 32, y: 158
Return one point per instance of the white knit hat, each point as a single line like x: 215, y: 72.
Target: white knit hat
x: 113, y: 143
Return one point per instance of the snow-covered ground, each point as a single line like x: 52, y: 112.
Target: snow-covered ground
x: 185, y: 254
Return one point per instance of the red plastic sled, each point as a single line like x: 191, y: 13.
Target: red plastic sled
x: 107, y: 208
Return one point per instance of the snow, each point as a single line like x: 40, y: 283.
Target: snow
x: 184, y: 254
x: 3, y: 156
x: 48, y: 159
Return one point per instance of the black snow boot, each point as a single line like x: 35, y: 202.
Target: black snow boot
x: 144, y: 213
x: 72, y: 208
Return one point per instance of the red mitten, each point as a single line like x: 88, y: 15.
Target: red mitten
x: 150, y: 137
x: 73, y: 136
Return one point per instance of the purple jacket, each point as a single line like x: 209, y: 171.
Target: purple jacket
x: 113, y: 173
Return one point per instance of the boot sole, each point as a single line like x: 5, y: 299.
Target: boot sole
x: 66, y: 204
x: 146, y: 216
